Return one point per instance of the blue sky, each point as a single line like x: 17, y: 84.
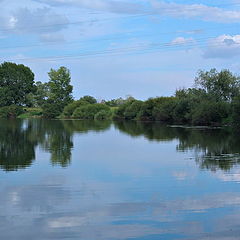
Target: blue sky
x: 144, y: 48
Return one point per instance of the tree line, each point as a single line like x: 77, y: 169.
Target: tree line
x: 214, y: 99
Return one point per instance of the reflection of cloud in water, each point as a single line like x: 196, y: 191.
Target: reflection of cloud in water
x: 232, y: 175
x: 180, y: 175
x: 49, y: 211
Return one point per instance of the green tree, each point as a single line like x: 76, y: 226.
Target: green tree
x: 59, y: 86
x: 89, y: 99
x: 16, y: 82
x: 223, y: 85
x: 59, y: 92
x: 41, y: 94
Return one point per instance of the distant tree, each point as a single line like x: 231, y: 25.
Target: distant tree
x: 223, y: 86
x: 16, y: 82
x: 89, y: 99
x: 133, y: 109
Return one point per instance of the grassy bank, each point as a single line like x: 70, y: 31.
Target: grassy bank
x: 31, y: 113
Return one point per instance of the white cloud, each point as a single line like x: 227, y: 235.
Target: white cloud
x: 224, y: 46
x: 49, y: 37
x: 41, y: 20
x: 182, y: 41
x: 199, y: 11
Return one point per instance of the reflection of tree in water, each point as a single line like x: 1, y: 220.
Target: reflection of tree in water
x: 16, y: 146
x: 150, y: 130
x: 213, y: 148
x: 57, y: 141
x: 18, y: 140
x: 86, y: 126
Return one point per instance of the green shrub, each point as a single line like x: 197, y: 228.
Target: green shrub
x: 89, y: 111
x: 51, y: 109
x: 163, y: 109
x: 236, y: 112
x: 70, y: 108
x: 103, y: 115
x: 132, y: 110
x: 89, y: 99
x: 120, y: 111
x: 209, y: 113
x: 10, y: 111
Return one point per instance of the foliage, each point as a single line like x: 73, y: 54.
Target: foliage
x: 41, y: 95
x: 236, y: 111
x: 115, y: 102
x: 89, y: 111
x: 209, y: 113
x: 89, y: 99
x: 120, y: 111
x: 132, y: 109
x: 60, y: 90
x: 10, y: 111
x: 222, y: 86
x: 16, y: 82
x: 71, y: 107
x: 103, y: 115
x: 51, y: 109
x: 31, y: 113
x: 163, y: 109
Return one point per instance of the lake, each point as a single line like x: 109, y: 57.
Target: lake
x: 93, y: 180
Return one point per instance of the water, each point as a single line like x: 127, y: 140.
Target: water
x: 123, y: 180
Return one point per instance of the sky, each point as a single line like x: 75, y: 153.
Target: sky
x: 115, y: 48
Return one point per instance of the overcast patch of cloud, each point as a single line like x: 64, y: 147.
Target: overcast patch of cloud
x: 224, y: 46
x: 41, y: 20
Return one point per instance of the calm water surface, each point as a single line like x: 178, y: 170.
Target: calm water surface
x: 118, y: 181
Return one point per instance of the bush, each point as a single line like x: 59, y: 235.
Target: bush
x: 119, y: 113
x: 89, y: 99
x: 70, y: 108
x: 236, y: 112
x: 209, y: 113
x: 51, y: 109
x: 89, y: 111
x: 163, y: 110
x: 132, y: 110
x: 10, y: 111
x: 103, y: 115
x: 145, y: 113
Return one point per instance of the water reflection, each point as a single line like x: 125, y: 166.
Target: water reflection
x: 18, y: 140
x: 16, y: 145
x: 212, y: 149
x: 122, y: 180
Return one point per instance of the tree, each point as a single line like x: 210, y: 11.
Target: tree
x: 59, y: 92
x: 16, y: 82
x: 59, y: 86
x: 89, y: 99
x: 223, y: 86
x: 41, y: 94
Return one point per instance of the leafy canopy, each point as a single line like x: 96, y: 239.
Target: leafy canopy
x: 16, y: 82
